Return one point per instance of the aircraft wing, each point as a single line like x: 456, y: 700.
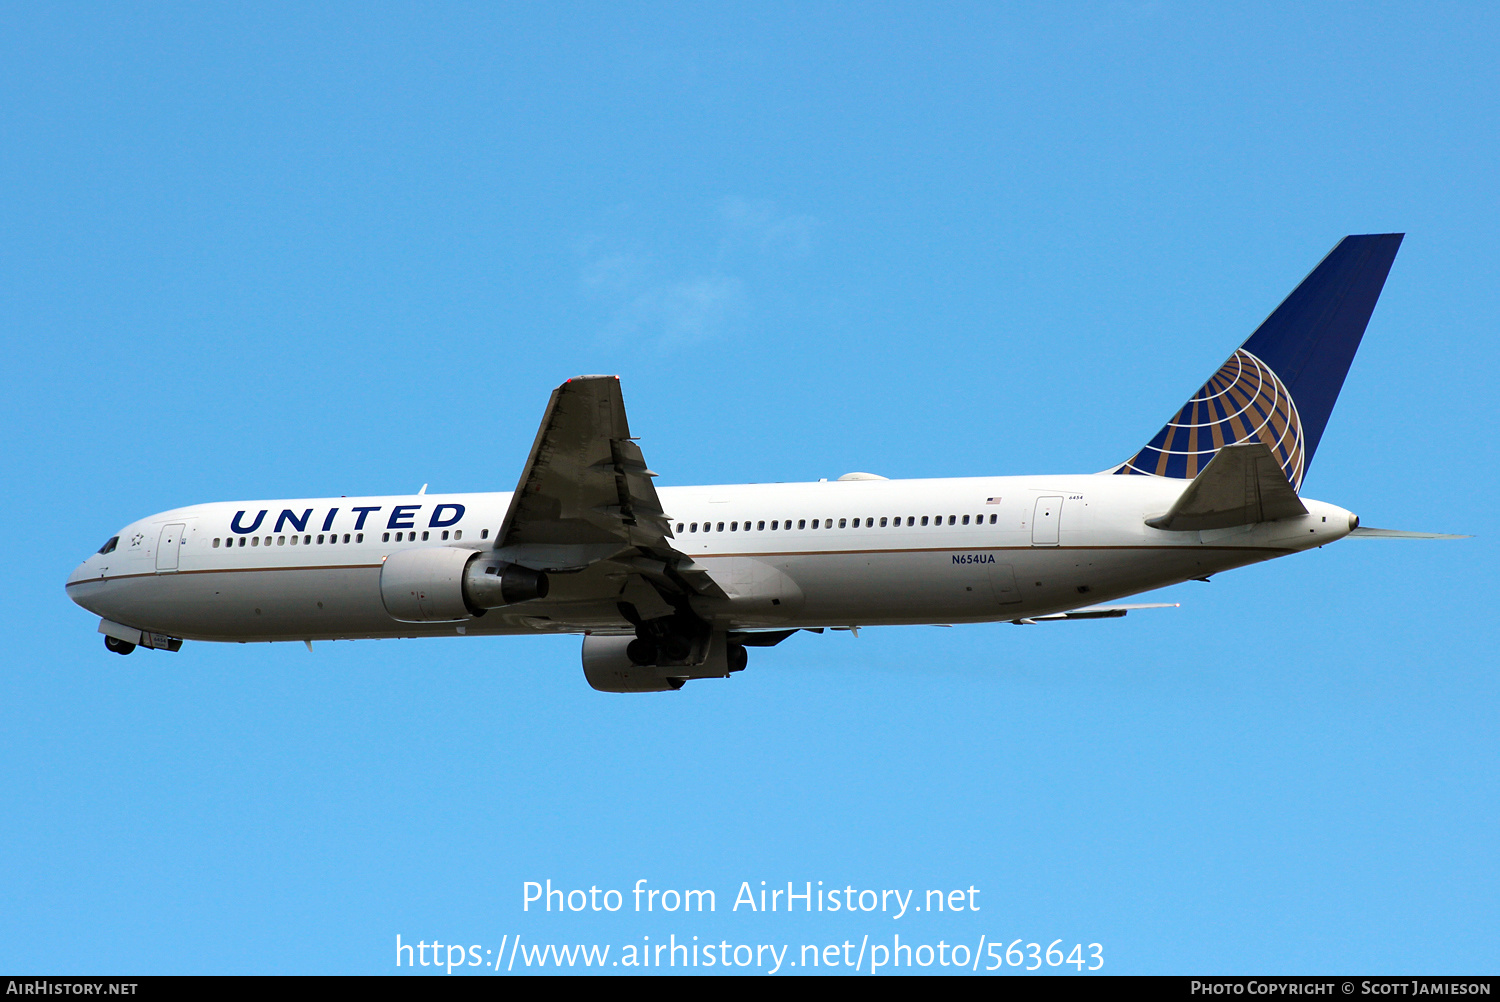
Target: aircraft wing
x: 585, y: 483
x: 586, y: 495
x: 1095, y: 612
x: 1243, y: 484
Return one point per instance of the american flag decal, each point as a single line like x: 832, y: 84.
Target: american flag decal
x: 991, y: 500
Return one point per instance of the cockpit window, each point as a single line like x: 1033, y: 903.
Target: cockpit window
x: 109, y: 547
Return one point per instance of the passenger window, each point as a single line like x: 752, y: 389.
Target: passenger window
x: 280, y: 540
x: 774, y: 521
x: 424, y: 535
x: 952, y: 519
x: 882, y: 521
x: 694, y: 528
x: 760, y: 526
x: 216, y: 542
x: 802, y: 523
x: 992, y: 520
x: 720, y: 527
x: 359, y: 538
x: 385, y: 537
x: 815, y: 523
x: 843, y: 522
x: 445, y: 533
x: 306, y: 540
x: 483, y: 534
x: 255, y: 541
x: 924, y: 519
x: 734, y: 527
x: 679, y: 526
x: 966, y: 520
x: 458, y: 534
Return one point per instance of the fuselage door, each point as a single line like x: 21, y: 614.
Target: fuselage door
x: 1003, y: 580
x: 168, y: 545
x: 1045, y: 521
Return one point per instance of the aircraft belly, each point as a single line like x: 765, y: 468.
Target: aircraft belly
x: 251, y: 605
x: 974, y: 585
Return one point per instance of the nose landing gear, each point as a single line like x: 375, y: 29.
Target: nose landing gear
x: 118, y: 646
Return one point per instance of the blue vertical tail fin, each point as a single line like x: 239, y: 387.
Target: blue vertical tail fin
x: 1279, y: 387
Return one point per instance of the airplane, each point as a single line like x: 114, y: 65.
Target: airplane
x: 674, y: 584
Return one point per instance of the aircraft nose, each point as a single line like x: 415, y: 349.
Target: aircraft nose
x: 78, y: 584
x: 80, y: 573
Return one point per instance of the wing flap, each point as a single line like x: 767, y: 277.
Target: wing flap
x: 1243, y: 484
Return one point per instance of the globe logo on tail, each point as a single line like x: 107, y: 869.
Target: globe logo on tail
x: 1243, y: 402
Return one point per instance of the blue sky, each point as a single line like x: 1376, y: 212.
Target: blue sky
x: 261, y: 251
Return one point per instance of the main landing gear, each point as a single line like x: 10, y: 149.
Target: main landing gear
x: 118, y: 646
x: 654, y: 650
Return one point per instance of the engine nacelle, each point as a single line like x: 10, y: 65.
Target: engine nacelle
x: 446, y: 584
x: 608, y: 667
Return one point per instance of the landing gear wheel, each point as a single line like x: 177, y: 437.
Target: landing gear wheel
x: 118, y: 646
x: 676, y: 648
x: 738, y: 657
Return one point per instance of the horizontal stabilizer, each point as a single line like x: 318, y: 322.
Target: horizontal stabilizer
x: 1243, y: 484
x: 1095, y: 612
x: 1370, y: 532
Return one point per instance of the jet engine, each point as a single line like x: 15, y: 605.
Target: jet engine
x: 608, y: 666
x: 444, y: 584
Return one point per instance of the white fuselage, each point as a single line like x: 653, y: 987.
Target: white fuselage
x: 883, y: 552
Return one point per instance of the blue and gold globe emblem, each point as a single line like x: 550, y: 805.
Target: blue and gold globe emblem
x: 1242, y: 402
